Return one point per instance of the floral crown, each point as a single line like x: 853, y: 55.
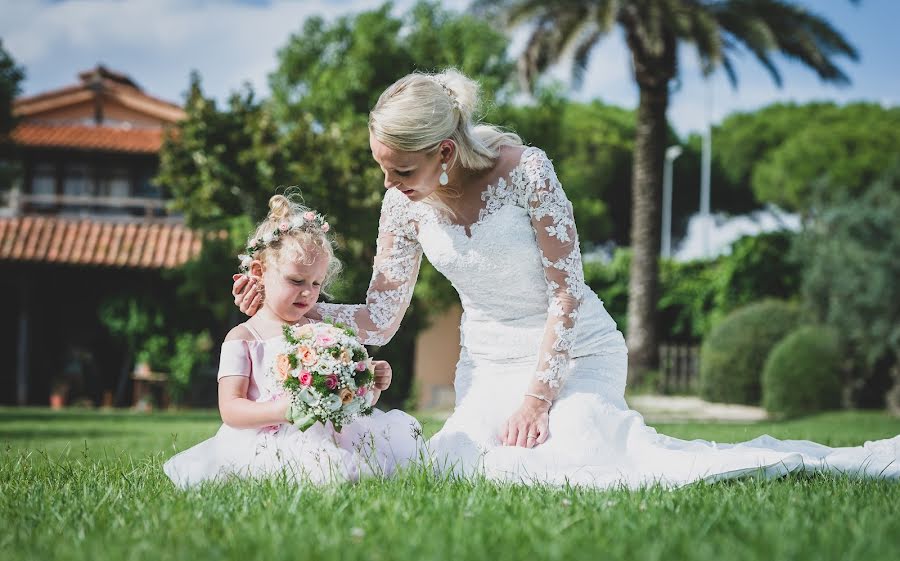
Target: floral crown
x: 307, y: 221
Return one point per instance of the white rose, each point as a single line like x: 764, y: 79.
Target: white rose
x: 332, y: 402
x: 308, y: 396
x: 354, y: 406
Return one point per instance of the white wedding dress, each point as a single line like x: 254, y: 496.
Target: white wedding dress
x: 527, y: 313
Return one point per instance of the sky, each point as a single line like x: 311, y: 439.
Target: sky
x: 158, y: 43
x: 230, y: 42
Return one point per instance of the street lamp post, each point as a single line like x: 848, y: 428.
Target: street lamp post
x: 705, y: 172
x: 672, y: 153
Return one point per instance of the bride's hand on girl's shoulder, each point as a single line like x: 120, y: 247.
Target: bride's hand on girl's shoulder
x: 383, y: 375
x: 247, y: 295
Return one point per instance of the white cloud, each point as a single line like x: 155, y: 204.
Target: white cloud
x: 158, y: 42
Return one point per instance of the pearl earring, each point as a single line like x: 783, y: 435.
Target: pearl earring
x: 443, y: 179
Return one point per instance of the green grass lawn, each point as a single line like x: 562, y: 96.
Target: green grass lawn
x: 89, y: 485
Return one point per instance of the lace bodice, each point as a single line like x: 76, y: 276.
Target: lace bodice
x: 517, y: 270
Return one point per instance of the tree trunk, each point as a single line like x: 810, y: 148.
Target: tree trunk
x: 646, y: 185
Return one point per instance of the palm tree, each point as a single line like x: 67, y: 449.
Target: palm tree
x: 654, y: 30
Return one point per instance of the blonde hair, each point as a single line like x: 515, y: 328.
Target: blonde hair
x: 304, y: 239
x: 417, y: 112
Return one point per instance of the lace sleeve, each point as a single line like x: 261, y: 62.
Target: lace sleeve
x: 554, y: 226
x: 394, y: 274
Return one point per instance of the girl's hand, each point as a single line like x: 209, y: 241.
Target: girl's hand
x: 383, y: 374
x: 247, y: 296
x: 528, y: 426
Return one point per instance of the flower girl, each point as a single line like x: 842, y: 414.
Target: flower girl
x: 291, y: 257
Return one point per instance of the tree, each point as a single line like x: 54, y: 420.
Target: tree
x: 11, y: 76
x: 849, y: 252
x: 846, y: 149
x: 223, y: 164
x: 654, y: 30
x: 593, y: 162
x: 334, y: 72
x: 779, y: 153
x: 745, y: 139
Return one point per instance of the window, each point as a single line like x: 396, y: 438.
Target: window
x: 43, y: 181
x: 145, y: 185
x: 77, y: 180
x: 116, y: 183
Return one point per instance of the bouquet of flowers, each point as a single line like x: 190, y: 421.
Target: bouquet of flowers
x: 327, y: 372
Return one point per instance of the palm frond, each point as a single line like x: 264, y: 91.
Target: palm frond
x: 582, y: 54
x: 693, y: 23
x: 766, y: 27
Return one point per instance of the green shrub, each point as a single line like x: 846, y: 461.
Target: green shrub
x: 803, y: 373
x: 760, y: 266
x: 695, y: 295
x: 850, y: 250
x: 733, y: 355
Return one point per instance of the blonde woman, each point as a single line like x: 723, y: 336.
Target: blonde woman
x: 541, y: 376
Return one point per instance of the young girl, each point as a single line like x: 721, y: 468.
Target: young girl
x: 255, y: 440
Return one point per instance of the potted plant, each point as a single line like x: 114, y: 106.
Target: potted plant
x: 59, y: 392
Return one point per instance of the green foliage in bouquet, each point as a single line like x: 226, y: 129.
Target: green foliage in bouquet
x: 327, y: 373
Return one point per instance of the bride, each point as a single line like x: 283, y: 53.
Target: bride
x: 541, y: 377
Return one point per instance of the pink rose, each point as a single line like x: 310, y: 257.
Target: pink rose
x: 310, y: 215
x: 253, y: 242
x: 360, y: 366
x: 324, y: 340
x: 305, y: 378
x: 325, y: 227
x: 361, y: 391
x: 284, y: 227
x: 331, y: 381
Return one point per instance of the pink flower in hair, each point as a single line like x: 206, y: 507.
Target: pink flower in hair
x: 325, y: 227
x: 310, y: 215
x: 284, y: 227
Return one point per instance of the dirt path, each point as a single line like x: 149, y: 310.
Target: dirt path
x: 662, y: 408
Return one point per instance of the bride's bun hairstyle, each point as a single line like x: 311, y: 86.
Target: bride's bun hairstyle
x: 420, y: 110
x: 291, y: 232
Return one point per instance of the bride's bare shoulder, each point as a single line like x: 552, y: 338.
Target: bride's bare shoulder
x: 510, y: 155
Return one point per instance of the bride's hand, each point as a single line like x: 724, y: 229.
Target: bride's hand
x: 247, y: 295
x: 528, y: 426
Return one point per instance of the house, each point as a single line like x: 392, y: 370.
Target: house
x: 84, y: 221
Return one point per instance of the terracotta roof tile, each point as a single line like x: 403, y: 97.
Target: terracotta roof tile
x: 112, y: 139
x: 83, y: 241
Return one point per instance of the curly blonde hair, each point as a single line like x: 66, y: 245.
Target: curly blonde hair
x: 292, y: 231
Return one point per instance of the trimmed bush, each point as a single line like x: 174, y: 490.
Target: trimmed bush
x: 803, y: 373
x: 733, y: 355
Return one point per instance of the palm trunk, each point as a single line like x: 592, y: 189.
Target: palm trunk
x: 643, y: 284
